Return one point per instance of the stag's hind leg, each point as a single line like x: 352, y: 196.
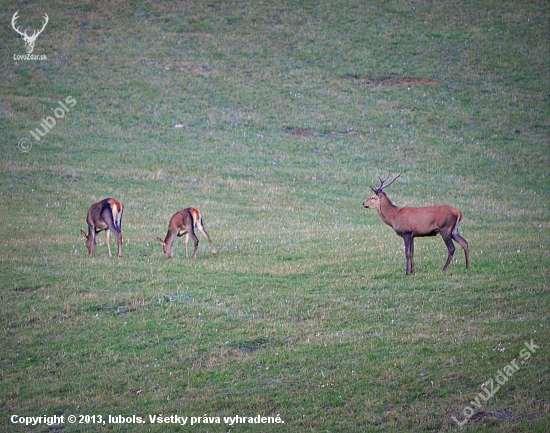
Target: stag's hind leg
x: 463, y: 243
x: 412, y: 254
x: 450, y: 246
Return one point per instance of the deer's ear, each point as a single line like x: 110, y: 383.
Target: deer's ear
x: 160, y: 241
x: 84, y: 235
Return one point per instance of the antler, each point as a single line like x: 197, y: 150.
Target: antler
x: 382, y: 181
x: 46, y: 19
x: 36, y: 32
x: 382, y: 186
x: 13, y: 19
x: 393, y: 180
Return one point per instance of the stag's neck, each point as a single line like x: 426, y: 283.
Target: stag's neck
x: 387, y: 209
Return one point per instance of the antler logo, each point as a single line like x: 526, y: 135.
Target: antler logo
x: 29, y: 40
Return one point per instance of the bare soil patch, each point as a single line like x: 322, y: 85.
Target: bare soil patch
x: 395, y: 81
x: 309, y: 133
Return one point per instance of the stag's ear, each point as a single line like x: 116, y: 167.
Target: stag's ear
x: 160, y: 241
x: 84, y: 235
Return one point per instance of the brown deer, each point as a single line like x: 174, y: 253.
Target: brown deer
x: 104, y: 215
x: 411, y: 222
x: 183, y: 223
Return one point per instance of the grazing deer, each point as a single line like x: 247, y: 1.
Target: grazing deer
x: 411, y: 222
x: 104, y: 215
x: 183, y: 223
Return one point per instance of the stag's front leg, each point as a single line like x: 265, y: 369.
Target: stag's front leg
x: 408, y: 252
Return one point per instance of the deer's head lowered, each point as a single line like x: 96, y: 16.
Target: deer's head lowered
x: 29, y: 40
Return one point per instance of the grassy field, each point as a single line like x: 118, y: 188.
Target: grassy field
x: 275, y: 119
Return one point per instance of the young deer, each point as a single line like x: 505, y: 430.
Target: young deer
x: 411, y: 222
x: 104, y: 215
x: 183, y: 223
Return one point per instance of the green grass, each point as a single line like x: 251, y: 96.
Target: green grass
x: 275, y: 119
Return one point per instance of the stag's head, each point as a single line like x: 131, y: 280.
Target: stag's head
x: 29, y: 40
x: 374, y: 200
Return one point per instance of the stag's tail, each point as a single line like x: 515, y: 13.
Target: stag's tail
x: 458, y: 215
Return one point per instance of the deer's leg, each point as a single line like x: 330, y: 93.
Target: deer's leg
x: 119, y: 240
x: 195, y: 241
x: 450, y: 246
x: 408, y: 253
x: 207, y: 237
x: 118, y: 235
x: 116, y: 229
x: 463, y: 243
x: 108, y: 234
x: 186, y: 239
x: 412, y: 254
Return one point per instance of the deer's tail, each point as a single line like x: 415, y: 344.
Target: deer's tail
x: 116, y: 211
x: 459, y: 216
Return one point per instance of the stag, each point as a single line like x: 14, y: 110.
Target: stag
x: 183, y: 223
x: 411, y: 222
x: 104, y: 215
x: 29, y: 40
